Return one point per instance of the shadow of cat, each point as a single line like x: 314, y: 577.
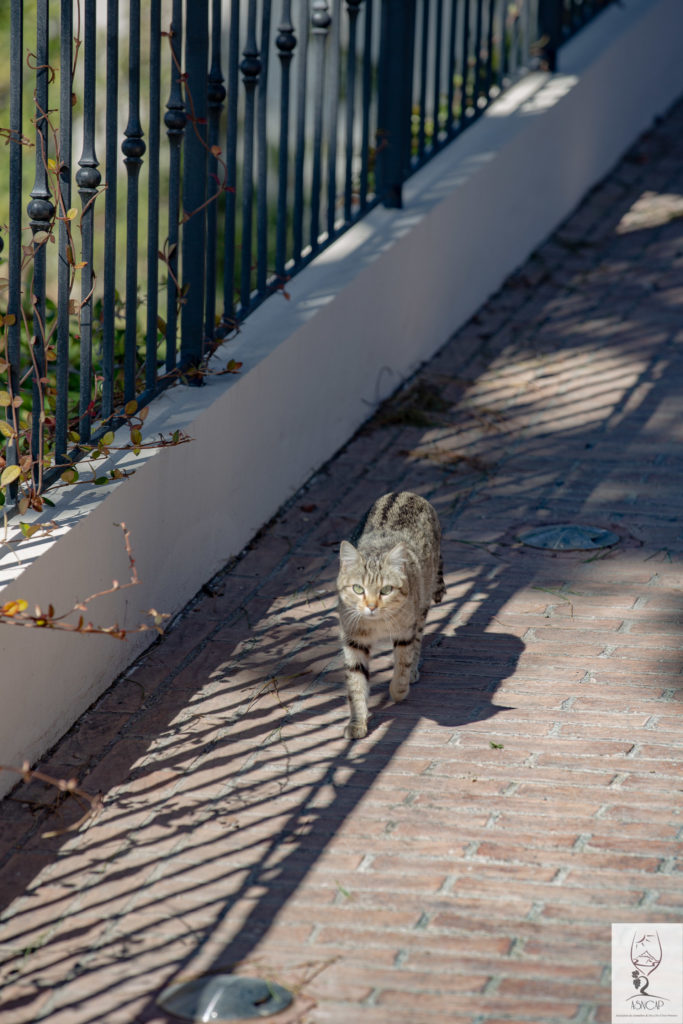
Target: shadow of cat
x: 459, y: 677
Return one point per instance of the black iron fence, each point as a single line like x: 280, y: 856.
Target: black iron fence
x: 127, y: 256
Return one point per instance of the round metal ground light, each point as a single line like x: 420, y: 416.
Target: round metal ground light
x: 569, y: 537
x: 224, y: 997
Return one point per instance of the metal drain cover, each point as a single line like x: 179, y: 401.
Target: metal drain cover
x: 224, y: 997
x: 569, y: 537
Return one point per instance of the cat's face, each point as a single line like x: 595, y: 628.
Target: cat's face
x: 374, y: 585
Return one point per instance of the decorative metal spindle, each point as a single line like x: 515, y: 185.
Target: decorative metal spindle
x: 489, y: 50
x: 285, y: 43
x: 367, y: 95
x: 194, y: 191
x: 262, y: 151
x: 229, y: 244
x: 526, y: 35
x: 302, y: 76
x: 352, y: 8
x: 175, y: 119
x: 569, y: 16
x: 503, y: 58
x: 333, y: 109
x: 424, y: 52
x: 16, y: 63
x: 320, y: 22
x: 513, y: 47
x: 438, y: 17
x: 111, y: 173
x: 63, y: 270
x: 488, y: 54
x: 465, y: 63
x: 450, y: 114
x: 41, y: 212
x: 250, y: 68
x: 153, y: 195
x: 133, y: 149
x: 215, y: 98
x: 88, y: 179
x: 476, y: 88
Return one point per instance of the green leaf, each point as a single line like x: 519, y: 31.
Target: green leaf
x: 101, y: 480
x: 130, y: 407
x: 69, y: 476
x: 108, y: 438
x: 6, y: 430
x: 5, y: 398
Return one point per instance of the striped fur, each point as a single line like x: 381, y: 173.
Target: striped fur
x: 388, y: 578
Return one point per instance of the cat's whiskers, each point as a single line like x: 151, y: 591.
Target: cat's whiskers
x: 356, y: 616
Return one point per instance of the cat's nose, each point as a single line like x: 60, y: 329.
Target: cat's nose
x: 371, y: 607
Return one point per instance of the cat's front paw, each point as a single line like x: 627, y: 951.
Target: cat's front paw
x: 399, y: 691
x: 356, y: 730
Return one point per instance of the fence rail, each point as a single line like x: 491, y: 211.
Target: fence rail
x: 127, y: 257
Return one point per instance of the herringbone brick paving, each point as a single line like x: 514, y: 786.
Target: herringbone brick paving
x: 464, y: 862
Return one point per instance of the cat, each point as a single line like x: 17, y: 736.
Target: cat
x: 387, y: 580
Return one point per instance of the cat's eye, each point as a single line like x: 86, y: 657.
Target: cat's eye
x: 386, y: 590
x: 357, y: 589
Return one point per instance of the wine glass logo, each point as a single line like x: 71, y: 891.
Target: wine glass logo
x: 646, y: 956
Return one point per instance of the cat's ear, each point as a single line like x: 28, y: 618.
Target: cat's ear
x: 396, y: 558
x: 348, y: 556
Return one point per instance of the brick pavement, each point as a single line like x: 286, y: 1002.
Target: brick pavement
x: 463, y: 863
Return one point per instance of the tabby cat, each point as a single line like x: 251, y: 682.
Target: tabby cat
x: 386, y: 583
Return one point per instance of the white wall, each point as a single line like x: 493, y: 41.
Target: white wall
x: 375, y: 305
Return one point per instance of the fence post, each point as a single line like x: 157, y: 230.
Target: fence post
x: 394, y: 101
x: 550, y: 31
x: 195, y: 187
